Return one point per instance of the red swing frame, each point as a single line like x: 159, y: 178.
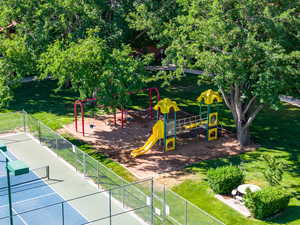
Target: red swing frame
x: 81, y: 103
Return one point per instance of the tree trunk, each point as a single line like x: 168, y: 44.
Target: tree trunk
x: 243, y: 135
x: 243, y: 113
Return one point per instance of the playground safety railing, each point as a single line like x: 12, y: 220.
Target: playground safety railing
x: 168, y: 207
x: 193, y: 121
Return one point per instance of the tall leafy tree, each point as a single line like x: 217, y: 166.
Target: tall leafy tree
x: 95, y: 69
x: 15, y: 62
x: 248, y: 48
x: 40, y: 23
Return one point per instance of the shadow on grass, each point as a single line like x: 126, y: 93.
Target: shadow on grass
x: 40, y: 96
x: 290, y: 214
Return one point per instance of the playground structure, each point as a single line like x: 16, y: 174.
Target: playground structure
x: 166, y: 130
x: 86, y: 101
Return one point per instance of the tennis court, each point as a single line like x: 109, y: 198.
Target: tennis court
x: 29, y: 192
x: 35, y: 191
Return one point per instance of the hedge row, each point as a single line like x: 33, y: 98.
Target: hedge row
x: 267, y: 202
x: 262, y: 204
x: 224, y: 179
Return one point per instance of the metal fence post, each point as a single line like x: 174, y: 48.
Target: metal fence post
x: 98, y: 177
x: 164, y: 206
x: 56, y: 144
x: 186, y: 212
x: 24, y: 121
x: 84, y: 164
x: 48, y: 172
x: 152, y: 202
x: 123, y: 195
x: 63, y: 213
x: 39, y: 131
x: 110, y: 219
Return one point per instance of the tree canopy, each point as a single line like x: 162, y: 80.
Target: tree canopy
x: 95, y: 69
x: 59, y: 28
x: 249, y: 49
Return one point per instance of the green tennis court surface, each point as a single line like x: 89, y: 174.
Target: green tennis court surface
x: 86, y: 206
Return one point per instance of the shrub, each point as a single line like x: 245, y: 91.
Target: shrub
x: 267, y: 202
x: 274, y: 170
x: 223, y: 180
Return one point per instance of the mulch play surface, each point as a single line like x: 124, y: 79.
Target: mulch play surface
x: 117, y: 143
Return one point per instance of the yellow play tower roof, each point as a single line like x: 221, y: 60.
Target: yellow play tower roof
x: 165, y: 105
x: 209, y: 97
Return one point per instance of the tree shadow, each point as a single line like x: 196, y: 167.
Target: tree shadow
x: 40, y: 96
x: 290, y: 214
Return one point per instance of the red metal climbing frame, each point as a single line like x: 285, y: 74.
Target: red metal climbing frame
x: 81, y: 103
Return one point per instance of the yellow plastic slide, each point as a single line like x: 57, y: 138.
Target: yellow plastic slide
x: 157, y: 133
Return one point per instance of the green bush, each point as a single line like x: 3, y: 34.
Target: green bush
x: 223, y: 180
x: 274, y: 170
x: 267, y: 202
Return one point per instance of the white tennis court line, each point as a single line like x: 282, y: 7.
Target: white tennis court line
x: 15, y: 186
x: 29, y: 199
x: 21, y: 218
x: 35, y: 140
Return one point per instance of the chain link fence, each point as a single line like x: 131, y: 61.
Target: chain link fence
x: 109, y: 214
x: 168, y: 207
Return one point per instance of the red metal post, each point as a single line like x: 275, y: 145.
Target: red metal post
x: 157, y: 93
x: 122, y: 117
x: 150, y: 107
x: 151, y: 100
x: 81, y: 103
x: 82, y: 117
x: 75, y: 115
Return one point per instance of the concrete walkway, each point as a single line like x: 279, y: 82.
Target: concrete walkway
x: 291, y: 100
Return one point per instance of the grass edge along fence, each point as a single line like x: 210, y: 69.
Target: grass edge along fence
x: 168, y: 207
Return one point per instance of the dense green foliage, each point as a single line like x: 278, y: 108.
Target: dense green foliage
x: 94, y: 69
x: 37, y: 28
x: 13, y: 54
x: 274, y: 170
x: 249, y: 49
x: 223, y: 180
x: 267, y: 202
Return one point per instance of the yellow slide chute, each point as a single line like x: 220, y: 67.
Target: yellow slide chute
x: 157, y: 133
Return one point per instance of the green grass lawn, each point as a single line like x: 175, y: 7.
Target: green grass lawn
x: 277, y: 132
x: 54, y: 108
